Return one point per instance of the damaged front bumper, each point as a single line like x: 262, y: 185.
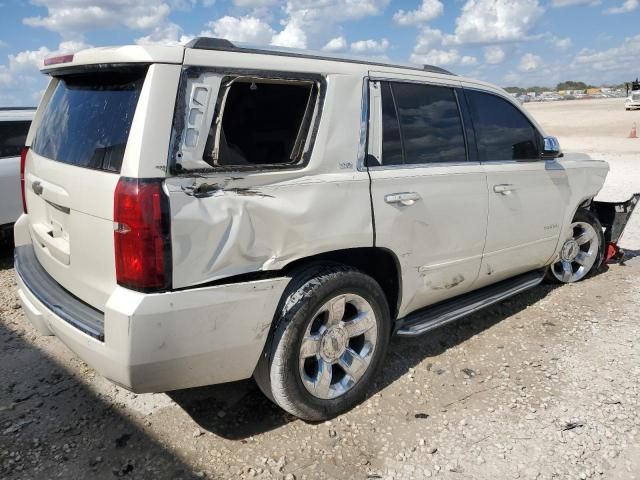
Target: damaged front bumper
x: 614, y: 217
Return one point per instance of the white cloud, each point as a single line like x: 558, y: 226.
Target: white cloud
x: 626, y: 7
x: 72, y: 18
x: 495, y: 21
x: 428, y: 51
x: 167, y: 34
x: 427, y: 39
x: 428, y: 10
x: 616, y: 60
x: 443, y: 58
x: 241, y: 29
x: 33, y: 60
x: 5, y: 77
x: 468, y: 60
x: 494, y: 55
x: 370, y: 46
x: 28, y: 60
x: 562, y: 43
x: 529, y: 62
x: 572, y: 3
x: 293, y: 35
x: 337, y: 44
x: 313, y: 18
x: 254, y: 3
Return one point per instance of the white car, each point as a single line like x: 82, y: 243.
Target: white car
x: 14, y: 125
x: 202, y: 214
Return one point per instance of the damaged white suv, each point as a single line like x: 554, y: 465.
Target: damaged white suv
x: 202, y: 214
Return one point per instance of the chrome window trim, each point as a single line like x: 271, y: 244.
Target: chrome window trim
x: 426, y: 165
x: 436, y: 82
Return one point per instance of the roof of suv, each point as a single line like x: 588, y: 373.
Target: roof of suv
x: 221, y: 44
x: 174, y: 54
x: 16, y: 113
x: 293, y: 58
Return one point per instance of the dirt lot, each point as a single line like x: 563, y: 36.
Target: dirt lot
x: 542, y: 386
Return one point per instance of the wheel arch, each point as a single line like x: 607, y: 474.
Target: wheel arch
x: 379, y: 263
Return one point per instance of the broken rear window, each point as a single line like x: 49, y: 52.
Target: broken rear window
x: 246, y: 122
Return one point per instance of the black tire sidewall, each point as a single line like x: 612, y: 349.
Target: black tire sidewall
x: 292, y: 326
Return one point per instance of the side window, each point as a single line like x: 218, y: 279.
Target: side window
x: 430, y: 123
x: 261, y: 122
x: 502, y: 132
x: 12, y: 137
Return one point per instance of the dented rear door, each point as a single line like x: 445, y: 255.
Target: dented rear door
x: 234, y: 209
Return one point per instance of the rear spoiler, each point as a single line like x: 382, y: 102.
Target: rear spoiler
x: 613, y: 217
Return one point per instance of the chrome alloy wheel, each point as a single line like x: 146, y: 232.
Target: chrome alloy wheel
x: 338, y: 346
x: 578, y: 254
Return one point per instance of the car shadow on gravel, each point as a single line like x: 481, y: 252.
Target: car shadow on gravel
x: 239, y: 410
x: 53, y: 426
x: 6, y: 255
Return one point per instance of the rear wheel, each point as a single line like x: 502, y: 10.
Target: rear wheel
x: 581, y: 253
x: 328, y: 342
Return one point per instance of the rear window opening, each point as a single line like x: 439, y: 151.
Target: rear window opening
x: 87, y: 120
x: 252, y: 122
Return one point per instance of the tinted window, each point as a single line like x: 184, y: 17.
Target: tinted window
x: 391, y: 143
x: 429, y: 123
x: 502, y: 131
x: 88, y: 118
x: 12, y: 137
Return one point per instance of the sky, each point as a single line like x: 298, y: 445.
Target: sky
x: 516, y: 42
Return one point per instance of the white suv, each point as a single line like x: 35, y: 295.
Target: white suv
x: 208, y: 213
x: 14, y: 125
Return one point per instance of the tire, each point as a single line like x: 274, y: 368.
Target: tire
x: 310, y: 309
x: 582, y: 257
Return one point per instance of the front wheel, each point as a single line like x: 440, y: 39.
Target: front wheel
x: 581, y: 253
x: 328, y: 342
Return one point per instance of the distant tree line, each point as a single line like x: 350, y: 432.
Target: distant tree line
x: 566, y: 85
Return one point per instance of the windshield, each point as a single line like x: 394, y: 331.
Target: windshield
x: 87, y: 121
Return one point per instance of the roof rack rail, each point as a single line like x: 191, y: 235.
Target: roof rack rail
x: 5, y: 109
x: 222, y: 44
x: 434, y: 69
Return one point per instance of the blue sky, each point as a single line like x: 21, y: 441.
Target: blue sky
x: 516, y: 42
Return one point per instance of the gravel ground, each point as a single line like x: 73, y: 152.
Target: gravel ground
x: 541, y: 386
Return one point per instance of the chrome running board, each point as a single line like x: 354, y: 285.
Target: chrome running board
x: 434, y: 316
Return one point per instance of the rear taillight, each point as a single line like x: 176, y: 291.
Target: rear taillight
x: 23, y: 162
x: 141, y: 235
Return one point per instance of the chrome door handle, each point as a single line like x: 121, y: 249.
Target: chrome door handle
x: 504, y: 188
x: 405, y: 198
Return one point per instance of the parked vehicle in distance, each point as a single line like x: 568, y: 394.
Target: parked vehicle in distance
x: 633, y: 95
x: 14, y: 125
x: 208, y: 213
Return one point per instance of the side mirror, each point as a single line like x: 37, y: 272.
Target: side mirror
x: 551, y: 148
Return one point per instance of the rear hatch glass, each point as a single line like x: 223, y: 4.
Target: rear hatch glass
x: 71, y: 173
x: 87, y: 121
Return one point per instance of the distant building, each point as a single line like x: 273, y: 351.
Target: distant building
x: 593, y: 91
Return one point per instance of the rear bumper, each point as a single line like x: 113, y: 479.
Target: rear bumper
x: 632, y: 104
x: 166, y: 341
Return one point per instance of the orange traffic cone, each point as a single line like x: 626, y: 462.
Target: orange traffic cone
x: 634, y: 132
